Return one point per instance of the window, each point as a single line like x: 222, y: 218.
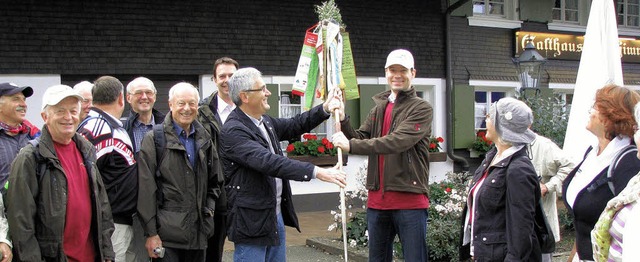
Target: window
x: 483, y: 102
x: 495, y: 14
x: 566, y: 11
x: 488, y: 7
x: 628, y: 13
x: 291, y: 105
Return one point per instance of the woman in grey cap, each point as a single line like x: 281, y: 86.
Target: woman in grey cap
x: 587, y: 188
x: 501, y: 206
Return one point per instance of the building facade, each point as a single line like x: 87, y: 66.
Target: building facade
x: 46, y: 43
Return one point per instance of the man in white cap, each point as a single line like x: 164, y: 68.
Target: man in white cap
x: 395, y: 136
x: 58, y: 208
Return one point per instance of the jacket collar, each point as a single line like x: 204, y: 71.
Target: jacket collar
x: 107, y: 117
x: 172, y: 137
x: 47, y: 149
x: 246, y: 121
x: 383, y: 98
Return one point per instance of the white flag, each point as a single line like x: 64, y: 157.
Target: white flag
x: 599, y: 65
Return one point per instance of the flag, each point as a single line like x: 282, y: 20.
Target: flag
x: 599, y: 65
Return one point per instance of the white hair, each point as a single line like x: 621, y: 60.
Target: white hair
x: 183, y: 86
x: 83, y: 86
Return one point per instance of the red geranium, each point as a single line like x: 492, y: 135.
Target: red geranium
x: 434, y: 144
x: 290, y: 148
x: 312, y: 146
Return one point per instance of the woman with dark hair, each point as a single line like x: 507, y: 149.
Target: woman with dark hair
x: 587, y: 188
x: 501, y: 206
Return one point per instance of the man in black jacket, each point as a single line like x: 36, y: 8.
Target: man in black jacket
x: 258, y: 173
x: 179, y: 182
x: 212, y: 113
x: 116, y: 162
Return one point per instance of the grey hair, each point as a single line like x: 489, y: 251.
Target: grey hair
x: 242, y: 80
x: 141, y: 81
x: 83, y: 86
x: 182, y: 86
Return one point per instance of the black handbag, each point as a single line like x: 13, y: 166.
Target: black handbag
x: 543, y: 231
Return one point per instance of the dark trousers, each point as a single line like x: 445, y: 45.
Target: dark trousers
x: 182, y: 255
x: 215, y: 244
x: 410, y: 226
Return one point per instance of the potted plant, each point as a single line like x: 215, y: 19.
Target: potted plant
x: 434, y: 150
x: 480, y: 145
x: 319, y: 152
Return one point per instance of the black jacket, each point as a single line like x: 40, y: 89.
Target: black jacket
x: 251, y: 168
x: 158, y: 117
x: 116, y: 162
x: 590, y: 203
x: 505, y: 211
x: 210, y: 120
x: 186, y: 192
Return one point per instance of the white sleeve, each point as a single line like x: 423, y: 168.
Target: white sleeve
x: 4, y: 225
x: 631, y: 235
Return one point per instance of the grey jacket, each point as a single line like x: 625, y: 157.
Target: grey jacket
x: 178, y: 211
x: 36, y: 210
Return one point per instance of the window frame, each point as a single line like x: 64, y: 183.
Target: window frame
x: 625, y: 16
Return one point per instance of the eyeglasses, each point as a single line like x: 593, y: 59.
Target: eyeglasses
x: 263, y: 89
x: 635, y: 128
x: 146, y: 92
x: 592, y: 109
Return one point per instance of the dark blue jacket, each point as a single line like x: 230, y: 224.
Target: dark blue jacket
x: 250, y: 171
x: 505, y: 212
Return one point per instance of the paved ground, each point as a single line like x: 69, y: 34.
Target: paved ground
x: 314, y: 228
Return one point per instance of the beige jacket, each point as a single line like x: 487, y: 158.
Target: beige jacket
x: 552, y: 166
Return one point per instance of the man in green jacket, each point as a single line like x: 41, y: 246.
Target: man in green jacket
x: 60, y: 212
x: 178, y: 182
x: 395, y: 136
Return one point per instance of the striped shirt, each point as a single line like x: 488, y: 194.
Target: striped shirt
x: 617, y: 230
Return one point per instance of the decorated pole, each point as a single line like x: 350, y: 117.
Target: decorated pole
x: 326, y: 63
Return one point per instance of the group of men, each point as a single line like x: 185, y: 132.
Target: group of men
x: 206, y: 169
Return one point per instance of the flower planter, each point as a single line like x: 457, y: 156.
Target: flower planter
x: 326, y: 160
x: 437, y: 156
x: 475, y: 154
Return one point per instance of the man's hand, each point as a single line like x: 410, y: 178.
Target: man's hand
x: 543, y: 189
x: 341, y: 141
x: 333, y: 102
x: 152, y: 243
x: 6, y: 252
x: 332, y: 175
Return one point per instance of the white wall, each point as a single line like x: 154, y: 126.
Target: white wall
x: 39, y: 83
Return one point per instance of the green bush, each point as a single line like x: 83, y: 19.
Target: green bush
x: 550, y: 117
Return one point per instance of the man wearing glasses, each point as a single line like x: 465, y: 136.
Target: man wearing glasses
x: 141, y: 96
x: 258, y: 189
x: 212, y: 114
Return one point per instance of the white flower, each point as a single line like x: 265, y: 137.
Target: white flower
x: 332, y: 227
x: 353, y: 243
